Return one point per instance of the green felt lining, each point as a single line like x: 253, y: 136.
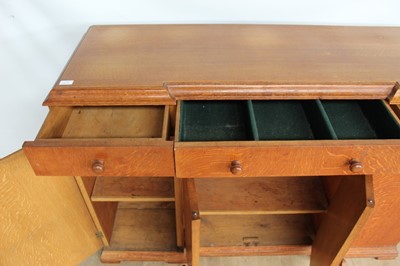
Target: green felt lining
x: 214, y: 121
x: 286, y: 120
x: 282, y: 120
x: 368, y: 119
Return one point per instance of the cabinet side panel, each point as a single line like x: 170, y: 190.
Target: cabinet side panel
x: 44, y: 220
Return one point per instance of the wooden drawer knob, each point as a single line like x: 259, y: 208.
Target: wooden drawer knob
x: 236, y: 167
x: 355, y: 166
x: 98, y: 166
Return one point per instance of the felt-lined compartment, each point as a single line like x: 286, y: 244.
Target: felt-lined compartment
x: 214, y: 121
x: 286, y: 120
x: 291, y: 120
x: 368, y: 119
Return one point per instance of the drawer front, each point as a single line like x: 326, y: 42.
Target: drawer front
x: 100, y: 158
x: 286, y: 159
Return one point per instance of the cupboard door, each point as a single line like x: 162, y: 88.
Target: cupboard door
x: 349, y: 210
x: 44, y: 220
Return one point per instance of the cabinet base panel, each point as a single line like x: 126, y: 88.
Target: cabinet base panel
x: 382, y: 253
x: 109, y: 256
x: 387, y: 252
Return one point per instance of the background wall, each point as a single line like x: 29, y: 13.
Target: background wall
x: 37, y: 38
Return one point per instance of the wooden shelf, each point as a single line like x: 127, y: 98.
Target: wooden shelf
x: 134, y: 189
x: 265, y: 195
x: 145, y: 229
x: 260, y: 230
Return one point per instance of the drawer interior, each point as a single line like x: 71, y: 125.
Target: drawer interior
x: 107, y: 122
x: 286, y: 120
x: 362, y: 120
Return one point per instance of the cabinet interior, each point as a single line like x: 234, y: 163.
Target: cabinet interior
x: 286, y: 120
x: 144, y: 227
x: 261, y: 195
x: 137, y: 189
x: 134, y: 213
x: 264, y: 211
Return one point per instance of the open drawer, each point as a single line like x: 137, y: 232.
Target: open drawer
x: 266, y: 216
x: 103, y: 141
x: 285, y: 138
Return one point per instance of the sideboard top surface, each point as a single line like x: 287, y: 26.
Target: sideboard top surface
x: 151, y: 59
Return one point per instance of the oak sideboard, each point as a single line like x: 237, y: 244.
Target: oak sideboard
x: 231, y: 140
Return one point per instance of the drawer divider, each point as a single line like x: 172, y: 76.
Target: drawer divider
x: 252, y: 119
x: 326, y: 120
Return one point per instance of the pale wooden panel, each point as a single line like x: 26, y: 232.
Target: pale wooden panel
x: 115, y: 122
x: 133, y: 189
x: 272, y: 195
x: 270, y: 230
x: 394, y: 97
x: 144, y: 230
x: 44, y: 220
x: 145, y: 205
x: 166, y: 126
x: 55, y: 123
x: 350, y: 208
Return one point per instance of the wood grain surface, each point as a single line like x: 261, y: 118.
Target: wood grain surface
x: 382, y: 227
x: 280, y: 195
x: 150, y: 64
x: 349, y: 210
x: 134, y: 189
x: 144, y: 230
x: 270, y: 230
x: 115, y: 122
x: 55, y: 123
x: 44, y: 220
x: 394, y: 97
x: 290, y: 158
x: 121, y: 157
